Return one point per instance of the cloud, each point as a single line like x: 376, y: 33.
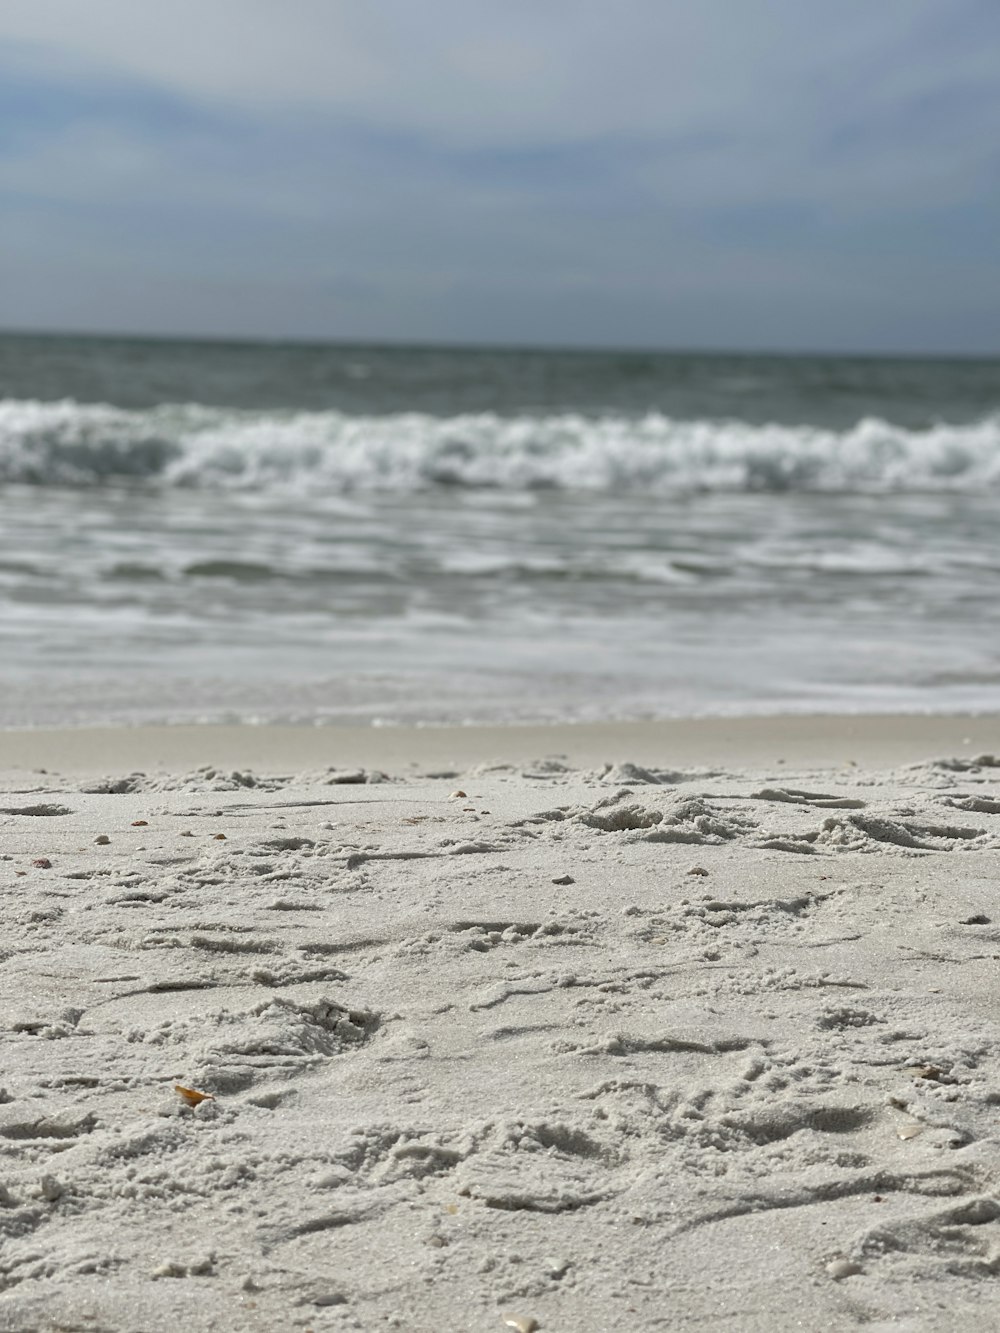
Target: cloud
x: 477, y: 73
x: 670, y: 172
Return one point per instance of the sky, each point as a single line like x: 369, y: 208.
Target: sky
x: 733, y: 174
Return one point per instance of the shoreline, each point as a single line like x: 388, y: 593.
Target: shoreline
x: 819, y: 740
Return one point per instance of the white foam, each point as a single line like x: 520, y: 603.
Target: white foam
x: 73, y: 444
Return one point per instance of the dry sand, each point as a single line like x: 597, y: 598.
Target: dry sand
x: 708, y: 1043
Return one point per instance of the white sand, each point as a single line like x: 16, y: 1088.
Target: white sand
x: 709, y: 1046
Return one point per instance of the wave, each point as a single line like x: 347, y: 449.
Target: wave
x: 86, y: 445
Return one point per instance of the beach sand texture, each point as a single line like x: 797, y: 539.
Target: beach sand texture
x: 580, y: 1045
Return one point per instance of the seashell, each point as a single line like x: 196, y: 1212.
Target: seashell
x: 192, y: 1096
x: 459, y: 793
x: 51, y: 1189
x: 909, y: 1131
x: 219, y: 837
x: 841, y: 1268
x: 139, y: 823
x: 102, y: 840
x: 169, y: 1270
x: 523, y: 1323
x: 42, y: 862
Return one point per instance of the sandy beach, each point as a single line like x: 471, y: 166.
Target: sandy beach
x: 499, y: 668
x: 686, y: 1025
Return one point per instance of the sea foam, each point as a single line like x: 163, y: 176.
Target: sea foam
x: 80, y: 444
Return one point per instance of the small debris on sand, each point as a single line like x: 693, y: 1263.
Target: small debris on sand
x: 192, y: 1096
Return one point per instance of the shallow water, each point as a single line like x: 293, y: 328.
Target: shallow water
x: 402, y: 535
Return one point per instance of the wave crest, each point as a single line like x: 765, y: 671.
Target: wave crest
x: 77, y: 444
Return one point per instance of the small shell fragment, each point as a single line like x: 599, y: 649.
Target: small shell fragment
x: 51, y: 1189
x: 169, y: 1270
x: 909, y: 1131
x: 42, y: 862
x: 192, y: 1096
x: 524, y: 1323
x: 696, y: 870
x: 933, y: 1072
x: 459, y: 794
x: 219, y: 837
x: 102, y: 840
x: 841, y: 1268
x: 139, y: 823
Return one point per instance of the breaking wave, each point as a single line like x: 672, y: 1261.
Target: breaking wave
x: 74, y: 444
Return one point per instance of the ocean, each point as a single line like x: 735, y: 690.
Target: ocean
x: 264, y: 532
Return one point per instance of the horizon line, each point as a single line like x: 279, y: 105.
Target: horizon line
x: 475, y: 345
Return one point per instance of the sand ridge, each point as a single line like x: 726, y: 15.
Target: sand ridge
x: 617, y: 1046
